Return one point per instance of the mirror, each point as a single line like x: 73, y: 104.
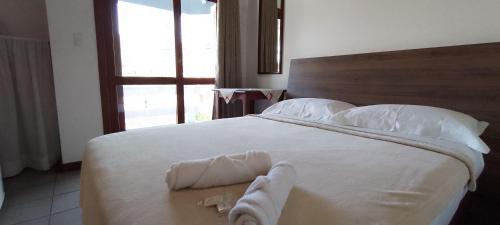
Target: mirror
x: 271, y: 26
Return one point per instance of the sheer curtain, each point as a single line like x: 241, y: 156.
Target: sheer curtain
x: 28, y: 119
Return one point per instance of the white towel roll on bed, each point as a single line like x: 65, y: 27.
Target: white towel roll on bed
x: 264, y: 199
x: 221, y: 170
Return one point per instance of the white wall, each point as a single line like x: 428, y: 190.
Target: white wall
x: 74, y: 56
x: 24, y: 19
x: 244, y: 49
x: 249, y: 29
x: 316, y: 28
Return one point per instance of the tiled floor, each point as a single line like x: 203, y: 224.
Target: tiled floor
x: 42, y: 198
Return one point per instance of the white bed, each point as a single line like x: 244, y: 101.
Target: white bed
x: 345, y: 176
x: 447, y: 214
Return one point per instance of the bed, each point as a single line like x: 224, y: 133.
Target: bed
x: 345, y: 176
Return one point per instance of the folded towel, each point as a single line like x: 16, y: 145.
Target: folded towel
x: 265, y: 197
x: 221, y: 170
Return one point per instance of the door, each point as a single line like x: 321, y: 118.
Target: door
x: 157, y: 61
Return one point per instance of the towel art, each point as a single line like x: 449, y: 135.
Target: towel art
x: 265, y: 198
x: 218, y: 171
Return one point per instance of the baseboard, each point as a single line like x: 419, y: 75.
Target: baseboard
x: 70, y: 166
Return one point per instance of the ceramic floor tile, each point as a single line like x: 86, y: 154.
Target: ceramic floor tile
x: 70, y: 217
x: 67, y: 182
x: 28, y: 178
x: 41, y: 221
x: 25, y: 212
x: 29, y: 194
x: 66, y: 201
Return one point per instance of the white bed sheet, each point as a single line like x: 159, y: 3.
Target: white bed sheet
x: 445, y: 217
x: 123, y: 174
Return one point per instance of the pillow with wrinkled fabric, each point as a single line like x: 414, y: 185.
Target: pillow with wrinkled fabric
x: 422, y: 121
x: 311, y: 109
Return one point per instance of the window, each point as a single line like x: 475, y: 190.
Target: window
x: 270, y: 36
x: 157, y: 61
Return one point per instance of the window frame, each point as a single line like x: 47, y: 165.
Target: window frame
x: 109, y: 60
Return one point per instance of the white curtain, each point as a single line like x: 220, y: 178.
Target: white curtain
x: 28, y: 119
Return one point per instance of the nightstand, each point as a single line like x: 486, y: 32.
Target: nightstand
x: 247, y: 96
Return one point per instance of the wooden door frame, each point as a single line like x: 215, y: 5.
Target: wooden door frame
x: 108, y: 50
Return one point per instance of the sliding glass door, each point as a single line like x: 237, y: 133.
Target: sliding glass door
x: 157, y: 61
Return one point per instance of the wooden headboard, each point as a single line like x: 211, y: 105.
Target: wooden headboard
x: 462, y: 78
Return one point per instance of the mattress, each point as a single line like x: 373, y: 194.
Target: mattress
x: 344, y: 176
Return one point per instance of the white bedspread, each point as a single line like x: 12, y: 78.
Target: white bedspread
x: 343, y: 178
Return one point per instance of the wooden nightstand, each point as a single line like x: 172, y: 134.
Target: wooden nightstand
x: 246, y: 95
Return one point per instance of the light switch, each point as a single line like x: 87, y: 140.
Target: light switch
x: 77, y: 39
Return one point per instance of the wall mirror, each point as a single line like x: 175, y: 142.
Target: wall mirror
x: 271, y: 26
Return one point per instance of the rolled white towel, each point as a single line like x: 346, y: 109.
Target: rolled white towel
x: 221, y: 170
x: 264, y: 199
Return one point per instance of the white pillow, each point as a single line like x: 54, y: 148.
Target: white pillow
x: 312, y: 109
x: 423, y: 121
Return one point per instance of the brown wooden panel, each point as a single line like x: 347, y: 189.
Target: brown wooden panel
x: 462, y: 78
x: 489, y: 181
x: 104, y: 11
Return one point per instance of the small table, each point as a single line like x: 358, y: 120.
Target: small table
x: 246, y: 96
